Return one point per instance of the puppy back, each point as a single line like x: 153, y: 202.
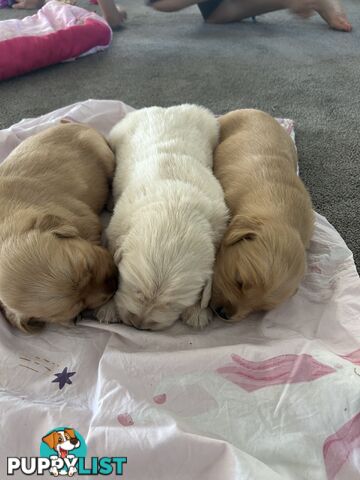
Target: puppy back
x: 256, y: 164
x: 179, y: 118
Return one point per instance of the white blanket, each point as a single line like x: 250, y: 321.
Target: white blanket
x: 276, y: 396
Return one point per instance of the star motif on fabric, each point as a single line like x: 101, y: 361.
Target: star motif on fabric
x: 63, y: 378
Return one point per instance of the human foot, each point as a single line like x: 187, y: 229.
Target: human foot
x: 330, y: 10
x: 333, y: 14
x: 116, y: 19
x: 113, y: 14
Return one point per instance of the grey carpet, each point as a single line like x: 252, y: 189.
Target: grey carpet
x: 282, y: 64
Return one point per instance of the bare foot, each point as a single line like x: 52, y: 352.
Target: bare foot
x: 117, y: 19
x: 333, y: 14
x: 113, y: 14
x: 28, y: 4
x: 330, y: 10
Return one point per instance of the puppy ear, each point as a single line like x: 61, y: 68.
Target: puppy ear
x: 27, y: 326
x: 50, y: 440
x: 65, y: 231
x: 206, y: 294
x: 31, y: 326
x: 56, y: 225
x: 24, y: 324
x: 242, y: 228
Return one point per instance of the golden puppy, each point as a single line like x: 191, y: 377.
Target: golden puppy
x: 262, y: 258
x: 52, y: 188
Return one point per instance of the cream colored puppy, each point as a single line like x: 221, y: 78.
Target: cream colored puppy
x: 52, y: 188
x: 169, y: 216
x: 262, y: 257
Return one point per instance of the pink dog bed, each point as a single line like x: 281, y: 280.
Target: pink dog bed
x: 56, y: 33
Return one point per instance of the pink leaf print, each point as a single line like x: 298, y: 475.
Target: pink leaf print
x: 290, y: 368
x: 353, y: 357
x: 160, y: 399
x: 338, y: 447
x: 125, y: 420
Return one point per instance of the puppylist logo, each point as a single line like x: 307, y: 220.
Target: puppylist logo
x: 63, y: 452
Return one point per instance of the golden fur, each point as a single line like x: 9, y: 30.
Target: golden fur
x: 262, y: 257
x: 52, y: 188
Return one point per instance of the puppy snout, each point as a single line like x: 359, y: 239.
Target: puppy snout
x: 74, y: 441
x: 136, y: 322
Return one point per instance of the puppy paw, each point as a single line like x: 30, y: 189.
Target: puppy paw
x: 107, y: 313
x: 197, y: 317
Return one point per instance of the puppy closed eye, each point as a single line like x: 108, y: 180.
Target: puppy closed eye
x: 248, y: 236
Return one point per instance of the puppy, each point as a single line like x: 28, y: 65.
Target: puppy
x: 262, y: 258
x: 52, y: 188
x: 169, y: 216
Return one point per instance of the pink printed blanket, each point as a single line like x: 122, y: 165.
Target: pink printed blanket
x: 275, y: 397
x: 56, y: 33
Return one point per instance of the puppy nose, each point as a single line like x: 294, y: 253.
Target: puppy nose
x: 222, y: 313
x: 135, y: 321
x: 74, y: 441
x: 140, y: 323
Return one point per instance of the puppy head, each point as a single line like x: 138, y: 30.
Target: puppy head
x: 259, y: 265
x: 50, y: 274
x: 163, y: 271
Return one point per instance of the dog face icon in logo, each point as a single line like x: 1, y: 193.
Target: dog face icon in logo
x: 62, y: 441
x: 60, y: 444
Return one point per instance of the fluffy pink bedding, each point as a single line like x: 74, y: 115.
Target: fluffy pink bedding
x: 56, y: 33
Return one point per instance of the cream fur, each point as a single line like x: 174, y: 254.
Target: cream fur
x: 169, y: 216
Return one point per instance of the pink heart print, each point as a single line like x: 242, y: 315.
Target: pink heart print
x: 125, y: 420
x: 160, y: 399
